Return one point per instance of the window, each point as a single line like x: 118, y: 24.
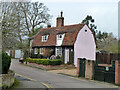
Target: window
x: 36, y: 51
x: 42, y: 50
x: 85, y: 30
x: 59, y: 51
x: 44, y: 38
x: 59, y: 36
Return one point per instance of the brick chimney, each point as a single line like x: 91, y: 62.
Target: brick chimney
x: 60, y: 20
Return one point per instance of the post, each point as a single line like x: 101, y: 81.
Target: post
x: 78, y: 67
x: 89, y: 71
x: 117, y: 72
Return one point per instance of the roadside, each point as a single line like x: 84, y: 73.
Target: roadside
x: 55, y: 80
x: 24, y: 82
x: 67, y: 70
x: 50, y: 67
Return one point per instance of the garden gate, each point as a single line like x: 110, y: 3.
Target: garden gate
x: 105, y: 73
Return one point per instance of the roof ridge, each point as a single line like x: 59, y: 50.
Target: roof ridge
x: 61, y: 26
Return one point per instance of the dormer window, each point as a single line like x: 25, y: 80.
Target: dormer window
x: 44, y: 38
x: 59, y: 36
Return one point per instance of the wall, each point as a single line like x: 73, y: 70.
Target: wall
x: 89, y: 70
x: 7, y: 80
x: 117, y: 72
x: 84, y: 46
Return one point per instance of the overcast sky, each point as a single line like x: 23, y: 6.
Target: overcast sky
x: 105, y: 12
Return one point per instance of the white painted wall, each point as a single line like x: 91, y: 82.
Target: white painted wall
x: 84, y: 46
x: 66, y: 55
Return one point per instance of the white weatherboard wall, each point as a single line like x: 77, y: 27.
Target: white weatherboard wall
x: 84, y: 46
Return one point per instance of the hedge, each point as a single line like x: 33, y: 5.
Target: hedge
x: 6, y: 61
x: 44, y: 61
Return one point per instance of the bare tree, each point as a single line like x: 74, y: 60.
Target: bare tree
x: 35, y: 15
x: 19, y: 19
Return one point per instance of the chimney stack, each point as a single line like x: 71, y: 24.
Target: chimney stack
x: 60, y: 20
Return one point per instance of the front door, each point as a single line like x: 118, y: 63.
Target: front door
x: 66, y: 55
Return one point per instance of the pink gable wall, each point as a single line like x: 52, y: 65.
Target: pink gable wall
x: 84, y: 46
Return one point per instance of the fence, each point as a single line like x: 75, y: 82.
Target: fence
x: 106, y: 58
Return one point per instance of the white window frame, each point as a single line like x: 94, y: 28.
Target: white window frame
x: 35, y: 50
x: 59, y: 36
x: 42, y: 50
x: 59, y: 51
x: 44, y: 38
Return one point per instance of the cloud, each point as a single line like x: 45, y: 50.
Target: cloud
x: 105, y: 1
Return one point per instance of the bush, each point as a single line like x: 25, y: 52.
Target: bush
x: 6, y: 61
x: 55, y: 62
x: 58, y: 57
x: 45, y: 61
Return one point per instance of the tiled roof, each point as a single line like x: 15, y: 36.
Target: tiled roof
x: 70, y: 31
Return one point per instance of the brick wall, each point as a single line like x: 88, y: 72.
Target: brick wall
x: 7, y: 80
x: 78, y: 67
x: 117, y: 72
x: 89, y: 71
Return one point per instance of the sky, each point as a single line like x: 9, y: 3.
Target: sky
x: 104, y: 12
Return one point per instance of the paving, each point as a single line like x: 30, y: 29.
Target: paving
x: 53, y: 80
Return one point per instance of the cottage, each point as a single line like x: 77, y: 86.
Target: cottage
x: 63, y: 40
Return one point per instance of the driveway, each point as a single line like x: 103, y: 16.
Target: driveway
x: 54, y: 80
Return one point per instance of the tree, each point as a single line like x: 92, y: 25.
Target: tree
x: 107, y: 41
x: 21, y: 19
x: 90, y: 22
x: 35, y: 15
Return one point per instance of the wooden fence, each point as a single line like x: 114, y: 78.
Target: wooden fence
x: 106, y: 58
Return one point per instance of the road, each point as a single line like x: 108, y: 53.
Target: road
x: 53, y: 80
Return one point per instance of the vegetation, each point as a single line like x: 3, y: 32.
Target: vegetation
x: 48, y: 52
x: 44, y: 61
x: 19, y: 20
x: 6, y: 61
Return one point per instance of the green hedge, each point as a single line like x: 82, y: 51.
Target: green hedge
x: 6, y: 61
x: 44, y: 61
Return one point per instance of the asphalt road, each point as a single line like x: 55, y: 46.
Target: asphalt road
x: 53, y: 80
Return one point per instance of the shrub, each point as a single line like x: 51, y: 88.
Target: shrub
x: 58, y: 57
x: 6, y: 61
x: 48, y: 52
x: 55, y: 62
x: 45, y: 61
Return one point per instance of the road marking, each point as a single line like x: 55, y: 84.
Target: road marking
x: 48, y: 86
x: 25, y: 77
